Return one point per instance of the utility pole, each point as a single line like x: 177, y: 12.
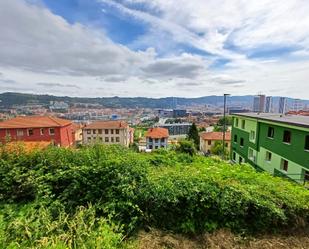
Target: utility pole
x: 224, y: 125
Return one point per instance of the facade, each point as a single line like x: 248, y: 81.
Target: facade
x: 259, y: 103
x: 208, y: 140
x: 36, y: 129
x: 282, y: 105
x: 156, y: 138
x: 177, y: 129
x: 269, y: 104
x: 278, y: 144
x: 108, y: 132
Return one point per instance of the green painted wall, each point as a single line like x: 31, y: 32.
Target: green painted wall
x: 294, y: 151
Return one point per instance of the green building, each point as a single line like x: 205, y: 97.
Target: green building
x: 275, y: 143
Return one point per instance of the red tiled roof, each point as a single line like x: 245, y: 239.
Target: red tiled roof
x: 107, y: 125
x: 34, y: 122
x: 215, y: 136
x: 157, y: 132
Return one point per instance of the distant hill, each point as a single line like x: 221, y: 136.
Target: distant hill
x: 9, y: 99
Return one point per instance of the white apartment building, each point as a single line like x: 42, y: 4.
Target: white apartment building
x: 156, y: 138
x: 108, y: 132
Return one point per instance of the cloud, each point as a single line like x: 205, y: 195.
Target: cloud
x: 181, y: 67
x: 226, y: 80
x: 35, y: 39
x: 57, y: 85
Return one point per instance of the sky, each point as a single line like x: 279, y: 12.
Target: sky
x: 155, y: 48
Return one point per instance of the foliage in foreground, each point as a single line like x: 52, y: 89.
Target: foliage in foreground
x: 43, y: 195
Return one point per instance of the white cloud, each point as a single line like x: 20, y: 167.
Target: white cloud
x: 37, y: 46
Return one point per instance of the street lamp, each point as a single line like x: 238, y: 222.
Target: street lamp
x: 224, y: 125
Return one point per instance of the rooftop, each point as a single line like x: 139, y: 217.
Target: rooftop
x: 118, y: 124
x: 296, y: 120
x: 157, y: 132
x: 216, y: 135
x: 34, y: 122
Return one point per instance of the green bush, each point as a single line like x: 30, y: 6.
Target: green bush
x: 43, y: 194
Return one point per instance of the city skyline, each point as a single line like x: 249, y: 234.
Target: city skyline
x: 154, y: 49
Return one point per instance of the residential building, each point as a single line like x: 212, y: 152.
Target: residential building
x: 275, y: 143
x: 282, y: 105
x: 108, y: 132
x: 259, y: 103
x: 269, y: 104
x: 37, y: 128
x: 156, y: 138
x: 209, y: 139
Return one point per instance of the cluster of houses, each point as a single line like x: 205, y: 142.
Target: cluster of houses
x: 65, y: 133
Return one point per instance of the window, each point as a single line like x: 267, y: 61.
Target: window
x: 252, y: 135
x: 42, y: 131
x: 112, y: 139
x: 234, y: 156
x: 307, y: 143
x: 243, y: 124
x: 156, y: 140
x: 100, y: 138
x: 30, y: 132
x: 117, y: 131
x: 235, y: 138
x: 106, y: 139
x: 156, y: 147
x: 287, y: 137
x: 250, y: 153
x: 268, y: 156
x: 162, y: 140
x: 162, y: 146
x: 88, y: 138
x: 100, y: 131
x: 236, y: 122
x: 150, y: 147
x: 226, y: 144
x: 284, y: 165
x: 88, y: 131
x: 106, y: 131
x: 51, y: 131
x: 209, y: 142
x: 20, y: 133
x: 117, y: 139
x: 94, y: 131
x: 242, y: 142
x: 112, y: 131
x: 150, y: 140
x: 271, y: 132
x: 240, y: 160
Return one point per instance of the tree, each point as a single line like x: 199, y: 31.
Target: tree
x: 193, y: 135
x: 186, y: 146
x: 217, y: 149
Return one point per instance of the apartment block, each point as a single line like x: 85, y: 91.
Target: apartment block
x: 108, y: 132
x: 276, y: 143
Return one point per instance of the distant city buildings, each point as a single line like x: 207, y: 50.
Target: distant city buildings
x: 282, y: 105
x: 259, y: 103
x: 269, y: 104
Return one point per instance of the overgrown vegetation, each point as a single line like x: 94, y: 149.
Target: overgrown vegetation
x: 96, y: 196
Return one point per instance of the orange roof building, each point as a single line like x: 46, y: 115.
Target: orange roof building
x: 156, y: 138
x: 36, y: 129
x: 208, y: 140
x: 108, y: 132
